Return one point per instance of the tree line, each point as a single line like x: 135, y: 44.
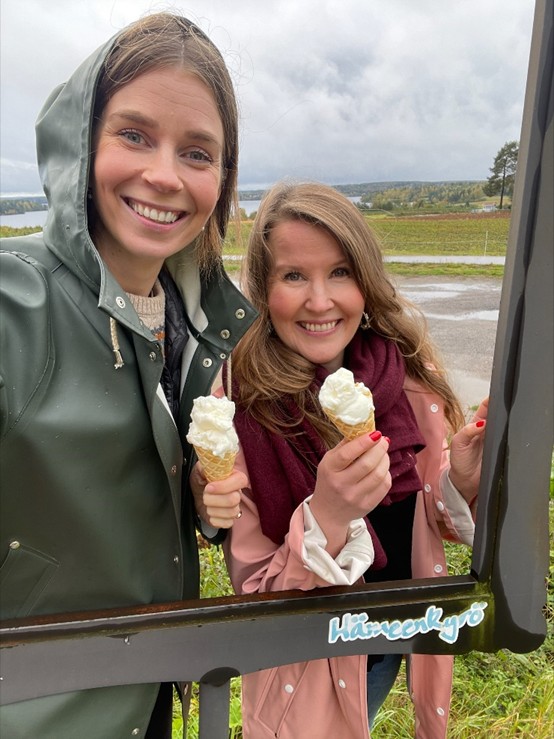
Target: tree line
x: 12, y: 206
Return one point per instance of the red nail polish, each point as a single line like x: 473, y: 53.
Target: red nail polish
x: 480, y: 424
x: 387, y: 439
x: 375, y: 435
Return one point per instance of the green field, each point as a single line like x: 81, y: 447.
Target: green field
x: 474, y: 234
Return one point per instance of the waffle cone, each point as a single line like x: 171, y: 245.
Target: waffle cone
x: 353, y: 431
x: 215, y: 468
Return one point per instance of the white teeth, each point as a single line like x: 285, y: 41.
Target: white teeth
x: 160, y: 216
x: 319, y: 326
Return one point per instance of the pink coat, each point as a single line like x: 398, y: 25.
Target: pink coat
x: 280, y: 702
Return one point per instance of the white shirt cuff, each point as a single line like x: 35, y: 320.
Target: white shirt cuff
x: 458, y: 509
x: 207, y: 530
x: 352, y: 561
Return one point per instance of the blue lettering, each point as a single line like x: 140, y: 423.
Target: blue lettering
x: 450, y: 629
x: 476, y: 614
x: 433, y: 617
x: 358, y: 630
x: 341, y: 631
x: 409, y: 628
x: 357, y: 626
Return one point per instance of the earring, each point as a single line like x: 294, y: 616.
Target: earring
x: 365, y: 323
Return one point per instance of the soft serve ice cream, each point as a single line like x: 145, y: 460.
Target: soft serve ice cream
x: 348, y: 404
x: 213, y: 435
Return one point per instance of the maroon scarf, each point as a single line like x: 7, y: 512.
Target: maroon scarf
x: 282, y: 469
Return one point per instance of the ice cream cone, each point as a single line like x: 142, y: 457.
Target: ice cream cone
x: 215, y: 468
x: 350, y: 431
x: 347, y: 404
x: 213, y: 436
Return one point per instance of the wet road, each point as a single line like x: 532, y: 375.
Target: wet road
x: 462, y: 314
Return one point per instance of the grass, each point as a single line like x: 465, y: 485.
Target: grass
x: 420, y: 235
x: 8, y: 231
x: 442, y: 235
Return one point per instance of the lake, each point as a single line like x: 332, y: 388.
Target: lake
x: 20, y: 220
x: 38, y: 217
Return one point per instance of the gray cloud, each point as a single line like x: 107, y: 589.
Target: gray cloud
x: 342, y: 91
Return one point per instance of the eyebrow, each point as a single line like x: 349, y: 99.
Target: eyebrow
x: 283, y: 265
x: 139, y: 119
x: 135, y: 117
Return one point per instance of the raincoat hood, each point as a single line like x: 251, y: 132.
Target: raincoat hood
x: 64, y: 134
x: 64, y: 144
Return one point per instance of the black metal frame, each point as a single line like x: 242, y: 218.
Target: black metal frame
x: 211, y: 640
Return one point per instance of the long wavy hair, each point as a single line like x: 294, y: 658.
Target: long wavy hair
x: 266, y: 369
x: 169, y: 40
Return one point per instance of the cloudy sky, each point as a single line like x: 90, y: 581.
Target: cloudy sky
x: 337, y: 90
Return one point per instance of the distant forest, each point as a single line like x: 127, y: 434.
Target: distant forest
x: 373, y: 195
x: 25, y: 204
x: 367, y: 190
x: 403, y: 197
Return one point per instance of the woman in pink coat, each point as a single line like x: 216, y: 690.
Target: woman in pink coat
x: 317, y: 510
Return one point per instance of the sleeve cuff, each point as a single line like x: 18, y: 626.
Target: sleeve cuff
x: 209, y: 532
x: 352, y: 561
x: 458, y: 510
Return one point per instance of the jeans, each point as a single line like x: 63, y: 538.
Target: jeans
x: 380, y: 680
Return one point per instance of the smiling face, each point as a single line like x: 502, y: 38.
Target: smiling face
x: 314, y: 301
x: 157, y: 173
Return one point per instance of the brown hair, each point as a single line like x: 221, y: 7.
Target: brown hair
x: 168, y: 40
x: 266, y: 369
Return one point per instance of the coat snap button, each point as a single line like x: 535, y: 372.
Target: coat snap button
x: 153, y: 356
x: 240, y: 313
x: 434, y: 408
x: 174, y: 469
x: 440, y: 505
x: 440, y: 711
x: 342, y: 684
x: 14, y: 544
x: 289, y: 688
x: 427, y: 488
x: 120, y: 302
x: 438, y: 568
x: 225, y: 333
x: 135, y: 732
